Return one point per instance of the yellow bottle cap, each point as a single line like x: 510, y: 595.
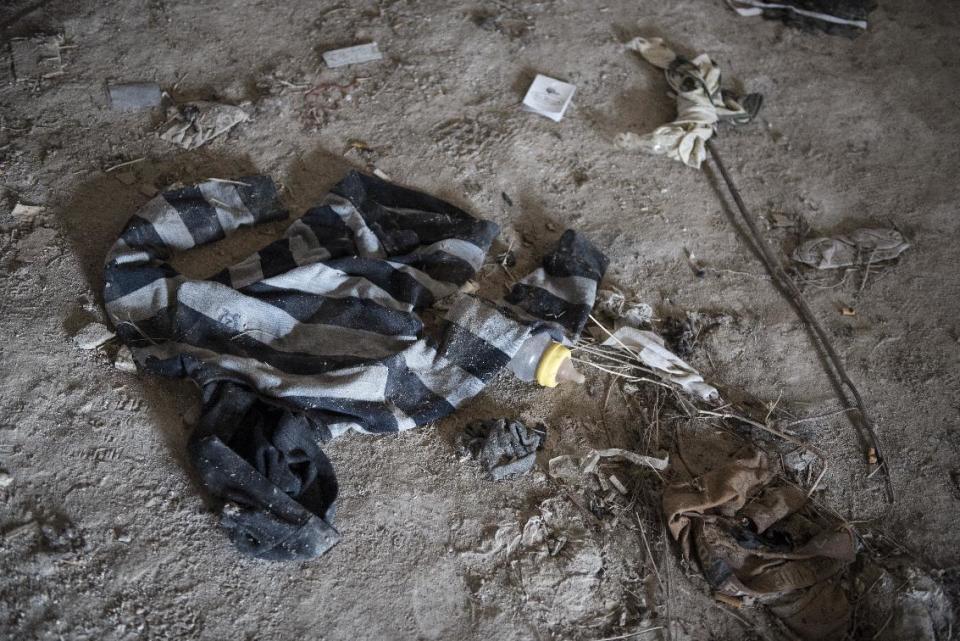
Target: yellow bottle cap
x: 550, y: 363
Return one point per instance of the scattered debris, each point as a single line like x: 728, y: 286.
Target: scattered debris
x: 505, y: 448
x: 922, y: 612
x: 701, y: 104
x: 197, y: 123
x: 861, y: 247
x: 26, y: 212
x: 565, y: 467
x: 618, y: 484
x: 779, y: 220
x: 548, y: 97
x: 134, y: 96
x: 58, y: 534
x: 356, y: 55
x: 121, y: 535
x: 840, y: 17
x: 799, y: 460
x: 681, y: 333
x: 752, y: 539
x: 622, y: 310
x: 36, y: 58
x: 848, y: 311
x: 558, y: 570
x: 592, y: 459
x: 649, y: 349
x: 124, y: 362
x: 900, y: 601
x: 93, y: 336
x: 571, y: 468
x: 326, y: 97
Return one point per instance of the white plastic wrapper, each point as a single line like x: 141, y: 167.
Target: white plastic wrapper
x: 650, y: 349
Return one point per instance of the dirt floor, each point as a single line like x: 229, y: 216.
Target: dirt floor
x: 105, y: 534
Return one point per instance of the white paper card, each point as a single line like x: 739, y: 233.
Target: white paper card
x: 548, y: 97
x: 352, y: 55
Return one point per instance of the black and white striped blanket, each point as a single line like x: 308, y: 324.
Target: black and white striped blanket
x: 319, y: 333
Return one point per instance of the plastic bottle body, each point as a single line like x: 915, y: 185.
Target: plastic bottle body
x: 545, y: 361
x: 524, y: 363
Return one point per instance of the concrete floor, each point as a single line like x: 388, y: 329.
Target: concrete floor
x: 103, y: 532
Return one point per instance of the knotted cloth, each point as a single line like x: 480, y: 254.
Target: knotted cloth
x: 701, y: 105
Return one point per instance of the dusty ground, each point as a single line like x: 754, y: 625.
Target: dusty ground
x: 104, y: 534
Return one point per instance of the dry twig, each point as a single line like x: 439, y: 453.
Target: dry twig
x: 789, y: 288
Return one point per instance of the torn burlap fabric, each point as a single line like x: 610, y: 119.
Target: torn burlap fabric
x: 319, y: 333
x: 752, y: 539
x: 701, y: 105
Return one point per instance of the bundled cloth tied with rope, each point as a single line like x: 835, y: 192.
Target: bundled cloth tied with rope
x: 701, y: 104
x: 318, y: 333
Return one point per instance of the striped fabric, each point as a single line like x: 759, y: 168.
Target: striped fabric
x: 319, y: 333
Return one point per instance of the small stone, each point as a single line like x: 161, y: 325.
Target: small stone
x: 124, y: 361
x: 59, y: 534
x: 93, y: 336
x: 6, y: 480
x: 799, y: 460
x: 26, y: 212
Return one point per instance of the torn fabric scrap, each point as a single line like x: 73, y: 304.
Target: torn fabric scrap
x: 317, y: 334
x: 701, y: 105
x: 649, y: 348
x: 860, y: 247
x: 197, y: 123
x: 505, y: 448
x: 753, y: 539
